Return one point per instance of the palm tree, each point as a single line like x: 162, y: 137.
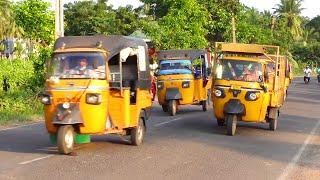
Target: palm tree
x: 290, y: 12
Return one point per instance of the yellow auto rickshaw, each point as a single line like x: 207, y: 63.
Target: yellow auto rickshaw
x: 249, y: 84
x: 183, y: 78
x: 96, y: 85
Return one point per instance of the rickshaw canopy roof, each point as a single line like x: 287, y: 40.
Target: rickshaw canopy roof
x: 181, y: 54
x: 113, y: 44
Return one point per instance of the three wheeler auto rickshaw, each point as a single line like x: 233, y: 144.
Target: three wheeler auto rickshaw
x: 96, y: 85
x: 183, y: 78
x: 249, y: 84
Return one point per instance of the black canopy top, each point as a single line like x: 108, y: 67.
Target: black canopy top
x: 174, y: 54
x: 113, y: 44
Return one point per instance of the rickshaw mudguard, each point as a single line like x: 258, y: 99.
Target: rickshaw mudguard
x: 173, y: 94
x: 234, y: 106
x: 79, y: 138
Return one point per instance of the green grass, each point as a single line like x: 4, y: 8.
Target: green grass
x: 9, y: 117
x: 19, y: 107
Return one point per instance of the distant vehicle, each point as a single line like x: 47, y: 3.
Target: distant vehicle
x: 97, y: 85
x: 248, y: 84
x: 183, y: 78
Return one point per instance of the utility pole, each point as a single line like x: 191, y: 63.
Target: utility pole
x: 233, y: 22
x: 59, y: 22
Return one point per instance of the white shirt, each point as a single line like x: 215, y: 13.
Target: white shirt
x: 307, y: 72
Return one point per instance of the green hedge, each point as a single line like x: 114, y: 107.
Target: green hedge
x: 21, y: 80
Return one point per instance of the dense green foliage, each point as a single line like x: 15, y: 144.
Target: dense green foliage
x: 18, y: 92
x: 36, y: 20
x: 182, y: 27
x: 8, y: 27
x: 99, y: 18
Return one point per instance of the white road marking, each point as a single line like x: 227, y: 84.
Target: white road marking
x: 36, y: 159
x: 16, y: 127
x: 167, y: 122
x: 287, y: 171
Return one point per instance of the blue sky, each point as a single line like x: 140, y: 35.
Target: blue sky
x: 312, y: 7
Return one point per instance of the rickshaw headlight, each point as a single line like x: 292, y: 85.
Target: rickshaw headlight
x: 160, y: 85
x: 46, y: 99
x: 66, y: 105
x: 185, y: 84
x: 251, y: 96
x: 92, y: 98
x: 218, y: 93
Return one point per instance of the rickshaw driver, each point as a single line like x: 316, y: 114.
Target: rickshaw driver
x: 82, y: 68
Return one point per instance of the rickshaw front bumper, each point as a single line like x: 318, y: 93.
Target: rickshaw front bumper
x: 234, y: 106
x: 68, y: 114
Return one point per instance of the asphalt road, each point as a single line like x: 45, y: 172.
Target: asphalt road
x: 187, y: 146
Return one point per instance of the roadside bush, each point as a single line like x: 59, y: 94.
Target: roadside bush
x: 20, y: 83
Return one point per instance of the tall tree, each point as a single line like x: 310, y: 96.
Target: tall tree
x: 127, y: 20
x: 95, y: 18
x: 313, y: 29
x: 290, y: 12
x: 182, y: 27
x: 36, y: 19
x: 8, y: 27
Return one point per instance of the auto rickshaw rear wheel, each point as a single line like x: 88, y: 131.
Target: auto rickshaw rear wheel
x: 231, y: 120
x: 165, y: 108
x: 220, y: 122
x: 204, y: 105
x: 137, y: 133
x: 65, y: 139
x: 172, y: 107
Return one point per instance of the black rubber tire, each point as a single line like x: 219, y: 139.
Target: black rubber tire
x: 137, y: 133
x: 273, y: 122
x: 204, y: 106
x: 65, y: 147
x: 220, y: 122
x: 172, y: 107
x: 165, y: 108
x: 231, y: 124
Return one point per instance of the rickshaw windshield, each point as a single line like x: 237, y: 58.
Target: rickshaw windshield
x: 78, y: 65
x: 239, y: 70
x: 175, y: 67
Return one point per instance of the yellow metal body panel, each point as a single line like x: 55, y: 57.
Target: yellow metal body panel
x: 94, y: 116
x: 115, y: 105
x: 255, y: 110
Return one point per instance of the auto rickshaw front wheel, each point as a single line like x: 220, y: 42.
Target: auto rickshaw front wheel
x: 172, y: 107
x: 137, y: 133
x: 231, y: 120
x: 65, y: 139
